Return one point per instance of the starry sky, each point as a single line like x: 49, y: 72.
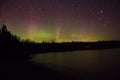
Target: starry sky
x: 62, y: 20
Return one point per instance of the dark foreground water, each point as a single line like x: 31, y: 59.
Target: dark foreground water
x: 98, y: 64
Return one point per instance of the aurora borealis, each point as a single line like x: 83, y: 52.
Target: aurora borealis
x: 62, y: 20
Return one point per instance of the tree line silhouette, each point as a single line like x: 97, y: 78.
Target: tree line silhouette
x: 12, y: 43
x: 11, y: 46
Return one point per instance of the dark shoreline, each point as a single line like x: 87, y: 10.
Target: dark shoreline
x: 70, y: 46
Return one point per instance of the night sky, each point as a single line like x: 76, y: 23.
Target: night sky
x: 62, y: 20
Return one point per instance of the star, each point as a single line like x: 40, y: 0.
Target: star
x: 100, y: 12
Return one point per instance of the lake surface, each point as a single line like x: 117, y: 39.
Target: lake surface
x: 95, y: 63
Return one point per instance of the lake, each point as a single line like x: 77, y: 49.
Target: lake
x: 90, y: 63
